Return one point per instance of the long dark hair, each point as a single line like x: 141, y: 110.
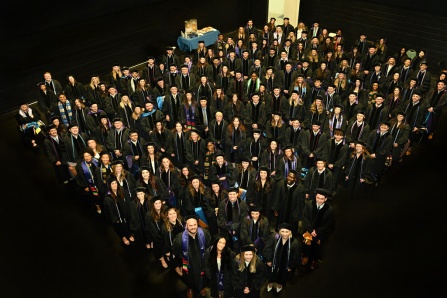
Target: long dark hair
x: 225, y: 255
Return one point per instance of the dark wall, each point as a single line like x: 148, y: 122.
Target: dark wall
x: 402, y: 23
x: 86, y: 37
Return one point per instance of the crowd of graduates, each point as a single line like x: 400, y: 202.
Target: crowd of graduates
x: 225, y: 163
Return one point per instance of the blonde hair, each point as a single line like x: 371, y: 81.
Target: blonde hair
x: 314, y: 108
x: 241, y: 261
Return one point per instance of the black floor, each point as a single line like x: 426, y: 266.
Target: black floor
x: 387, y: 244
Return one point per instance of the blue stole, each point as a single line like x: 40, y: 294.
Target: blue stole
x: 185, y: 246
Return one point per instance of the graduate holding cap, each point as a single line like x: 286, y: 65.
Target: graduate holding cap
x: 318, y: 224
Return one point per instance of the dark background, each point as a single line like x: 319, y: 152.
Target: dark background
x: 86, y: 37
x: 388, y: 244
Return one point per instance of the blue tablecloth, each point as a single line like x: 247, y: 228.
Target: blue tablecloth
x: 190, y: 44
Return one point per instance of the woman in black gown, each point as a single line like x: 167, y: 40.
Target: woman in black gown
x: 154, y: 222
x: 172, y: 226
x: 116, y: 212
x: 218, y: 259
x: 139, y: 208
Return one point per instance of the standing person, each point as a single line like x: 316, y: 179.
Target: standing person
x: 230, y: 215
x: 140, y: 206
x: 400, y: 130
x: 154, y: 221
x: 217, y: 129
x: 379, y: 144
x: 357, y: 168
x: 288, y: 162
x: 133, y: 152
x: 318, y: 176
x: 163, y: 138
x: 195, y: 150
x: 170, y: 177
x: 218, y: 260
x: 282, y: 254
x: 153, y: 184
x: 223, y: 171
x: 57, y: 154
x: 116, y: 138
x: 318, y: 224
x: 270, y: 158
x: 115, y: 211
x: 46, y: 100
x: 215, y: 194
x: 289, y: 202
x: 244, y: 173
x: 196, y: 202
x: 435, y: 101
x: 102, y: 173
x: 260, y: 192
x: 335, y: 155
x: 255, y: 230
x: 235, y: 138
x: 313, y: 143
x: 191, y: 246
x: 85, y: 178
x: 64, y: 109
x: 181, y: 136
x: 172, y: 227
x: 248, y: 273
x: 172, y: 104
x: 357, y: 130
x: 75, y: 144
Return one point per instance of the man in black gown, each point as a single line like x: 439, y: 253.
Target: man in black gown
x: 189, y: 248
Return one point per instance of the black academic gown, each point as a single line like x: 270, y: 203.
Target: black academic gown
x: 289, y: 203
x: 283, y: 256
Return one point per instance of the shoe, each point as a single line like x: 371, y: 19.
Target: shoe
x: 131, y: 238
x: 304, y: 260
x: 66, y: 181
x: 278, y: 289
x: 430, y: 136
x: 189, y: 293
x: 269, y: 288
x: 408, y: 151
x: 126, y: 242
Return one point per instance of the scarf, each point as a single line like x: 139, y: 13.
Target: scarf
x: 276, y: 250
x: 88, y: 175
x: 148, y: 113
x: 190, y: 112
x: 29, y: 111
x: 66, y: 120
x: 185, y: 249
x: 286, y: 164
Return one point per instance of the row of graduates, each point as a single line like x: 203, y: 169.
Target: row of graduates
x: 183, y: 246
x: 307, y: 146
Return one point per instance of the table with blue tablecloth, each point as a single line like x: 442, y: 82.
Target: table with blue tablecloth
x: 190, y: 44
